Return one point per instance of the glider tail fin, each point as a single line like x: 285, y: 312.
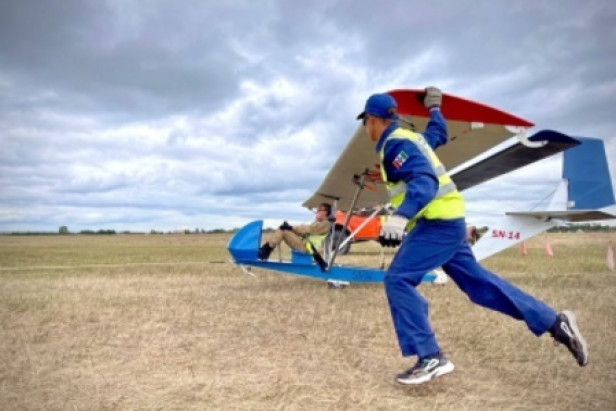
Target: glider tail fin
x: 586, y: 170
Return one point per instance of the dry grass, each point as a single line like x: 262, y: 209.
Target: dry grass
x: 96, y: 330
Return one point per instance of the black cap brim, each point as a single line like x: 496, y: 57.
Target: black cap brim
x: 361, y: 115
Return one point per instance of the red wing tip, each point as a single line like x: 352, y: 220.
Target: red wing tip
x: 456, y: 108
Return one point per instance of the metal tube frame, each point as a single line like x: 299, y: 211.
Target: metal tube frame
x: 360, y: 186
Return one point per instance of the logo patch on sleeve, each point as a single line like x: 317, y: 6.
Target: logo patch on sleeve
x: 400, y: 159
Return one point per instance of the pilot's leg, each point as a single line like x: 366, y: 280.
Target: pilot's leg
x: 289, y: 237
x: 489, y: 290
x: 426, y: 247
x: 270, y: 243
x: 293, y: 240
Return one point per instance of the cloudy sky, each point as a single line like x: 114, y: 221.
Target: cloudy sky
x: 153, y: 114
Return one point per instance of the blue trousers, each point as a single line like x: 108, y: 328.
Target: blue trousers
x: 442, y: 243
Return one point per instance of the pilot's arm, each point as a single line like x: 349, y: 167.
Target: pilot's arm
x: 436, y: 129
x: 316, y: 228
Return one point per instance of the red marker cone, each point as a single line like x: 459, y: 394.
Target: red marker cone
x: 548, y: 249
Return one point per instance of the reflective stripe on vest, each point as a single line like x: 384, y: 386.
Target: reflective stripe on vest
x: 447, y: 203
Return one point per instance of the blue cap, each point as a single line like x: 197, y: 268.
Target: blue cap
x: 380, y: 105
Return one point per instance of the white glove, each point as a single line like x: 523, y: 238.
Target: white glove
x: 434, y: 97
x: 393, y: 230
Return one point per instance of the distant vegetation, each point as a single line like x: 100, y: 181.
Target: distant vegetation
x: 569, y: 228
x: 587, y: 228
x: 64, y: 230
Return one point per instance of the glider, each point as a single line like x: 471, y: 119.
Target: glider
x: 497, y: 142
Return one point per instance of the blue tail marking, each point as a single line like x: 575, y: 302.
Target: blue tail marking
x: 587, y: 170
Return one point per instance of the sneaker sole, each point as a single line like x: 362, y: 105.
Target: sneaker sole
x: 576, y: 331
x: 445, y: 369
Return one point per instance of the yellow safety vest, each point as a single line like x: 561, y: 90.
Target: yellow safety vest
x: 315, y: 240
x: 448, y: 202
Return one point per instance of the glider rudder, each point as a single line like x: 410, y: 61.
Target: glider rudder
x: 586, y: 169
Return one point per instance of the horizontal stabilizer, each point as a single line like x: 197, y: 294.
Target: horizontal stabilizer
x: 513, y: 158
x: 509, y: 231
x: 571, y: 216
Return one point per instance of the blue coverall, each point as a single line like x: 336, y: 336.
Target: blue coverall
x: 440, y: 243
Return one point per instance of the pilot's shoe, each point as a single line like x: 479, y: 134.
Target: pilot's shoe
x: 566, y: 332
x: 425, y: 370
x: 264, y: 251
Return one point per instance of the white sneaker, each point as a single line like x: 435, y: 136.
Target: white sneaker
x: 565, y: 331
x: 425, y: 370
x: 337, y: 284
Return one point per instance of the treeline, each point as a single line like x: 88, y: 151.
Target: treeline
x: 197, y: 231
x: 587, y: 228
x: 65, y: 231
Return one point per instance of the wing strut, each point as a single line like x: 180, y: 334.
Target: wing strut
x: 359, y: 181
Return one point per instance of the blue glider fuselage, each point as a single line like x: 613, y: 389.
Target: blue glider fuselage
x: 244, y: 244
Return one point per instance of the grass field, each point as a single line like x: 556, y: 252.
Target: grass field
x: 164, y: 322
